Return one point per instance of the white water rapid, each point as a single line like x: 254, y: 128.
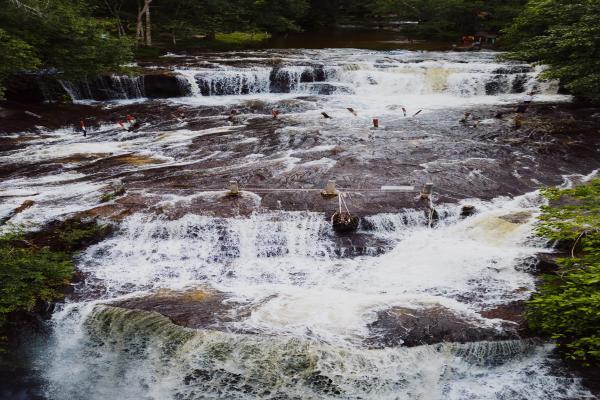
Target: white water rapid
x: 310, y: 310
x: 295, y: 311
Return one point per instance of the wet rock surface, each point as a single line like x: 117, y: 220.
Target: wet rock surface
x: 273, y: 244
x: 414, y: 327
x: 264, y: 155
x: 35, y: 89
x: 197, y: 308
x: 159, y: 86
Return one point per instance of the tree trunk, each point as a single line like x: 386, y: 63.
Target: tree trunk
x: 115, y: 13
x: 138, y: 27
x: 143, y: 35
x: 148, y: 23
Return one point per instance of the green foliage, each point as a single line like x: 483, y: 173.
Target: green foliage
x: 35, y: 267
x: 16, y: 55
x: 566, y: 37
x: 447, y: 18
x: 29, y: 275
x: 567, y: 305
x: 75, y: 235
x: 242, y: 38
x: 279, y: 16
x: 119, y: 190
x: 61, y: 36
x: 106, y: 197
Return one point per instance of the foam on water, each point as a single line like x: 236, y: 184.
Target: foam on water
x: 117, y: 353
x: 287, y: 264
x: 370, y: 81
x: 309, y: 306
x: 54, y: 196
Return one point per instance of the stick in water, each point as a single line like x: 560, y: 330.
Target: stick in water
x: 417, y: 113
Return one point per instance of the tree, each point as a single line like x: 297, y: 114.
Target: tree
x: 279, y: 16
x: 62, y: 37
x: 16, y: 56
x: 143, y: 33
x: 565, y: 36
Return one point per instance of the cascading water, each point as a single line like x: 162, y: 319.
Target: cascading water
x: 396, y: 76
x: 112, y: 87
x: 142, y: 352
x: 400, y: 73
x: 309, y: 310
x: 295, y: 310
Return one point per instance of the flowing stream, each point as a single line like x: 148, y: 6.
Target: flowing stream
x: 294, y: 308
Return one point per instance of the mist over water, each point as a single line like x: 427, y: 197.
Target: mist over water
x: 296, y: 303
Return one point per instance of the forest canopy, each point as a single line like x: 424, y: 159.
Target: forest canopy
x: 564, y: 36
x: 79, y: 38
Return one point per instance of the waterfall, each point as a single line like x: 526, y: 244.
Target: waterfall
x: 188, y: 76
x: 391, y: 77
x: 196, y: 247
x: 111, y: 87
x: 233, y: 82
x: 397, y: 225
x: 121, y: 353
x: 283, y: 307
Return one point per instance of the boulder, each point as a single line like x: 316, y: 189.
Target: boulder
x: 492, y: 88
x: 344, y: 222
x: 546, y: 263
x: 518, y: 84
x: 194, y: 308
x: 160, y: 86
x: 429, y: 325
x: 280, y: 81
x: 467, y: 211
x: 326, y: 89
x: 313, y: 74
x: 520, y: 217
x: 29, y: 88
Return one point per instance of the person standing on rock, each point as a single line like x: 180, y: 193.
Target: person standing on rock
x: 466, y: 118
x: 522, y: 108
x: 233, y: 117
x: 83, y: 128
x: 529, y: 98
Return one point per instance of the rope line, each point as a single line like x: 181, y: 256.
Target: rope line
x: 346, y: 190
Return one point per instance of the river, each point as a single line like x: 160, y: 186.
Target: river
x: 202, y: 295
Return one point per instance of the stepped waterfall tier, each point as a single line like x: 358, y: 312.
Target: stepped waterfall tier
x: 325, y: 73
x: 204, y: 292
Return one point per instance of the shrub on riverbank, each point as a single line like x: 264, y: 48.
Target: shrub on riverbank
x: 567, y: 305
x: 30, y: 275
x: 36, y: 268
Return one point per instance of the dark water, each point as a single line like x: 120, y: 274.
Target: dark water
x: 352, y: 38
